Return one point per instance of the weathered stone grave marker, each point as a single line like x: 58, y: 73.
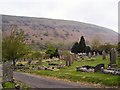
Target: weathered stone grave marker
x: 68, y: 60
x: 89, y: 55
x: 71, y: 59
x: 113, y: 57
x: 98, y: 54
x: 94, y: 54
x: 103, y: 55
x: 99, y: 67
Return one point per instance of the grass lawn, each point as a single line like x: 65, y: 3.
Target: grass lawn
x: 71, y: 74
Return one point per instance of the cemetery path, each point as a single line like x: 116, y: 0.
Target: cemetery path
x: 41, y: 82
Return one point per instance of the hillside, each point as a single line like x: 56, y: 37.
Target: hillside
x: 42, y: 30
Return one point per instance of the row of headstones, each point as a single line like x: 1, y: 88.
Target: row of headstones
x: 113, y: 55
x: 94, y: 54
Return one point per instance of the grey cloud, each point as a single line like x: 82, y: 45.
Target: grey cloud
x: 100, y: 12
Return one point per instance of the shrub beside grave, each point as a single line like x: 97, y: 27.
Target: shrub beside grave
x: 9, y: 85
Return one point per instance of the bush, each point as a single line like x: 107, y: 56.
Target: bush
x: 8, y: 85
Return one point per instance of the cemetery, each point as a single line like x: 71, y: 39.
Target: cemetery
x: 80, y: 64
x: 79, y: 70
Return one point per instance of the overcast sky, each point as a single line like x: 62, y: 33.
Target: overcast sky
x: 100, y: 12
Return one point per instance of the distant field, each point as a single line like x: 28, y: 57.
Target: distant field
x: 71, y: 74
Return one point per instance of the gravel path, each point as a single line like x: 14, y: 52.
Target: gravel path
x: 42, y: 82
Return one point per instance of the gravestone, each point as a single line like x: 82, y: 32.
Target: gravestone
x: 40, y: 61
x: 71, y: 59
x: 99, y: 67
x: 89, y: 55
x: 7, y: 71
x: 82, y: 57
x: 103, y: 55
x: 62, y: 57
x: 98, y: 54
x: 19, y: 66
x: 68, y: 60
x: 86, y: 68
x: 94, y: 54
x: 67, y: 63
x: 113, y: 57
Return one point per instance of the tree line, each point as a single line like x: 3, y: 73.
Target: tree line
x: 81, y: 47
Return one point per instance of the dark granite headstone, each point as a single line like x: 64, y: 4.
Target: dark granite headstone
x: 98, y: 67
x: 113, y: 56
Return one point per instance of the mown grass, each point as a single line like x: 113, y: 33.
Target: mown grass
x: 71, y: 74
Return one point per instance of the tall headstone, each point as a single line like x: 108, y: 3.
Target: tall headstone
x: 98, y: 54
x: 103, y: 55
x: 113, y: 56
x: 7, y: 71
x: 68, y: 60
x: 98, y: 67
x: 94, y: 54
x: 82, y: 57
x: 89, y: 55
x: 40, y: 61
x: 71, y: 59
